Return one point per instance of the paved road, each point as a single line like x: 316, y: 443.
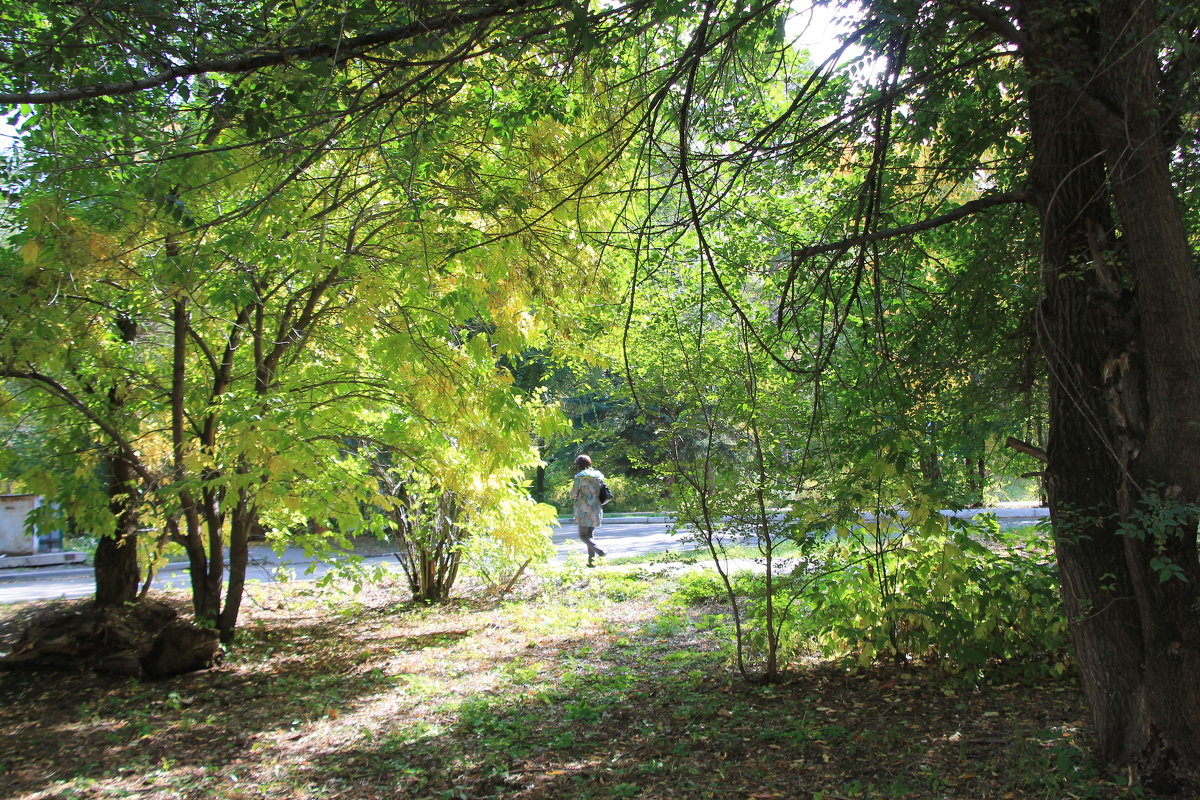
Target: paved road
x: 616, y: 537
x: 47, y: 583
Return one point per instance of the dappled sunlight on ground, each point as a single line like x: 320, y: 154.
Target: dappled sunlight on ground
x: 592, y: 684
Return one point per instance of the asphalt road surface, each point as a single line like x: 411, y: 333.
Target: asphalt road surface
x: 614, y: 537
x: 48, y: 583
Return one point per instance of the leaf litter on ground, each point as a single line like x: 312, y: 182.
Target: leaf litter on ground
x: 584, y: 686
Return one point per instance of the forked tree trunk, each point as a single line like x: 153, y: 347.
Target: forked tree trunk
x: 1121, y: 331
x: 200, y: 514
x: 1166, y: 467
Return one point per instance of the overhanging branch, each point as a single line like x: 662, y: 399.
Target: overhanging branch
x: 66, y: 395
x: 1028, y: 449
x: 965, y: 210
x: 340, y: 50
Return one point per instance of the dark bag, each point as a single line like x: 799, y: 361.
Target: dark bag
x: 605, y: 494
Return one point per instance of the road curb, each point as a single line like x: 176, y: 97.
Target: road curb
x: 649, y: 519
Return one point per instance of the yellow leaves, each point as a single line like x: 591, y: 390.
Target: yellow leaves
x: 59, y: 241
x: 101, y: 247
x: 155, y: 449
x: 516, y: 324
x: 517, y: 522
x: 277, y: 464
x: 479, y: 347
x: 31, y: 251
x: 549, y: 422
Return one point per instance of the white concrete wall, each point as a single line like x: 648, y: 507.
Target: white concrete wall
x: 14, y: 541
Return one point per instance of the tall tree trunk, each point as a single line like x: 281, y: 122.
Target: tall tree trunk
x: 205, y: 579
x: 115, y: 563
x: 241, y: 522
x: 1165, y: 466
x: 981, y: 474
x: 1122, y: 340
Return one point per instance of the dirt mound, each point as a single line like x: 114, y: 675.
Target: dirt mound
x: 142, y: 640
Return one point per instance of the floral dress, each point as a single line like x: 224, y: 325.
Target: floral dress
x: 586, y: 494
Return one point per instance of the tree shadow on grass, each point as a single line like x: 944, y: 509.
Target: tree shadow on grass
x: 75, y: 729
x: 620, y: 724
x: 556, y: 701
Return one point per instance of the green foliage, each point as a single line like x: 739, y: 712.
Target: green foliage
x: 630, y: 493
x: 966, y: 597
x: 696, y: 587
x: 254, y: 330
x: 300, y: 295
x: 1158, y: 518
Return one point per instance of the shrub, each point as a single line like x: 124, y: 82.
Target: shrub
x: 698, y: 588
x: 966, y: 596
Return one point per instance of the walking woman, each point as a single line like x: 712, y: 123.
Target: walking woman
x: 588, y: 511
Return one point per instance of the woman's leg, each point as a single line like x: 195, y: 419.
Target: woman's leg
x: 585, y: 535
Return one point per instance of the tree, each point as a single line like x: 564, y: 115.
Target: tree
x: 1121, y: 336
x: 735, y: 447
x: 288, y: 305
x: 87, y: 407
x: 458, y: 493
x: 1076, y: 113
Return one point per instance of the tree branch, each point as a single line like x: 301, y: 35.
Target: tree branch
x: 67, y: 396
x: 1028, y: 449
x: 340, y: 50
x: 997, y: 23
x: 965, y: 210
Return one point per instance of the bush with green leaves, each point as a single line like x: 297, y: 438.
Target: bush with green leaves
x: 963, y: 595
x: 967, y: 597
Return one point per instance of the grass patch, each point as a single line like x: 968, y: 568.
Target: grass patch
x: 595, y: 684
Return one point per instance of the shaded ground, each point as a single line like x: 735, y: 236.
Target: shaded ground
x: 594, y: 685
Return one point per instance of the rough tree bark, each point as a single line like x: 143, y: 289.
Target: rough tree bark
x: 115, y: 562
x: 1120, y: 326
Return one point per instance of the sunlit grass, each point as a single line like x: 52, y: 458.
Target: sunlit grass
x: 606, y: 683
